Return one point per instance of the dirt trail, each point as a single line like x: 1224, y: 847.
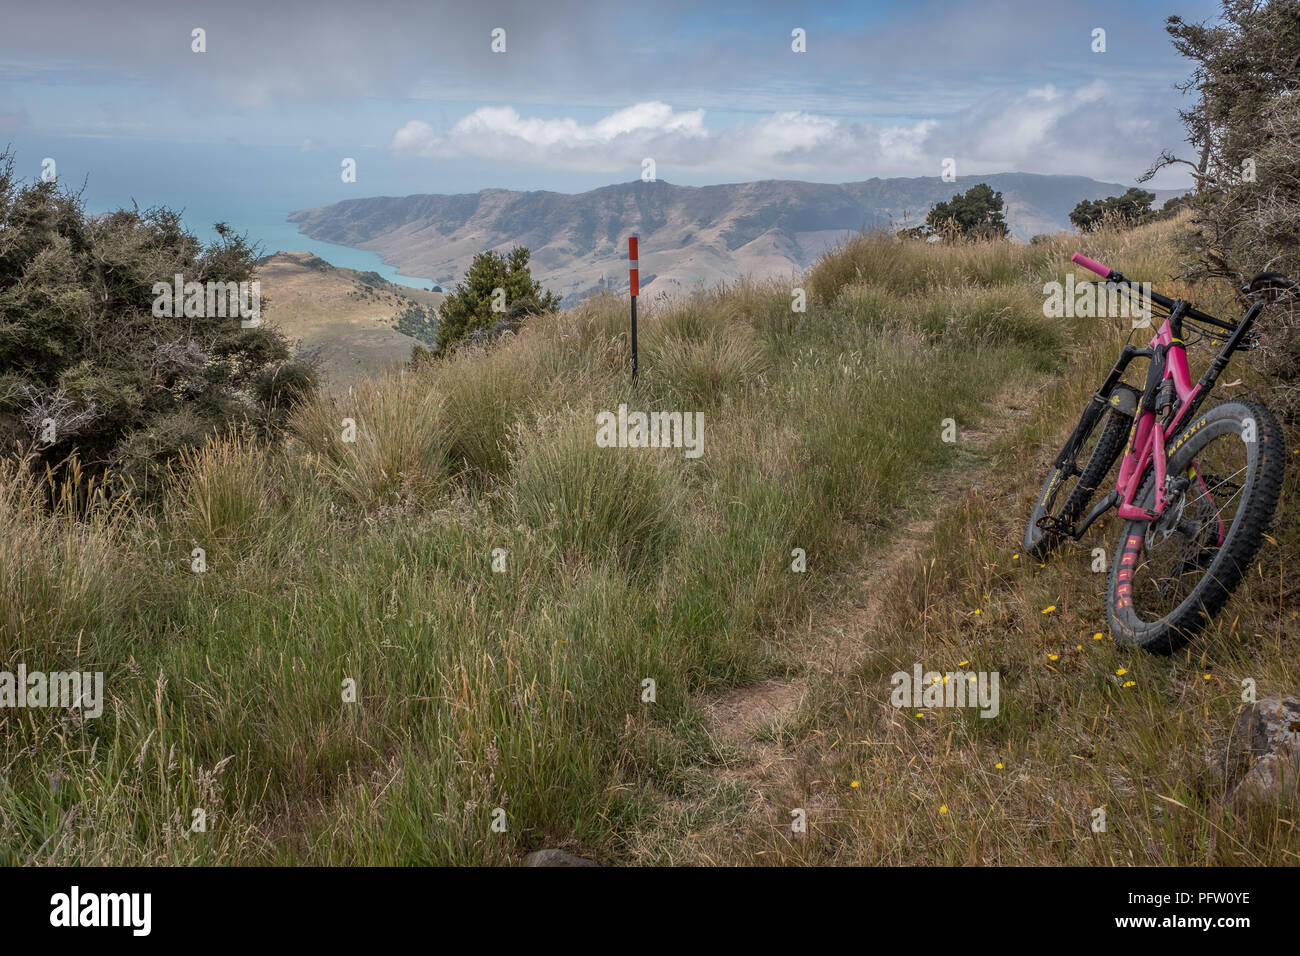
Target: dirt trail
x: 747, y: 718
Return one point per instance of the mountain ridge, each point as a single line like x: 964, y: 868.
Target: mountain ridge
x: 690, y: 235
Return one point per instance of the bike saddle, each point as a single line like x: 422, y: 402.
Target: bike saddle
x: 1270, y: 281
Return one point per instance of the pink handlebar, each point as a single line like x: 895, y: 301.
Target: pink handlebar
x: 1092, y: 264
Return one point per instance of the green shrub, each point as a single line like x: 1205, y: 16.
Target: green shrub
x: 87, y: 365
x: 476, y: 305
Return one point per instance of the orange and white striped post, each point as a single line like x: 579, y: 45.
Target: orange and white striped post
x: 634, y: 282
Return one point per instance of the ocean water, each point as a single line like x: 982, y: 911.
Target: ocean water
x: 285, y: 237
x: 253, y: 189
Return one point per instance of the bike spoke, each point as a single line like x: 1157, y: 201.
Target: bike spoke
x: 1181, y: 547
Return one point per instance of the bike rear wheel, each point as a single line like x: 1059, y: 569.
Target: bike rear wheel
x: 1170, y: 576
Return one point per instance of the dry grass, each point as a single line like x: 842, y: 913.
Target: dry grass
x: 497, y: 590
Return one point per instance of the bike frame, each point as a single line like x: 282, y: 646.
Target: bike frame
x: 1167, y: 354
x: 1146, y: 440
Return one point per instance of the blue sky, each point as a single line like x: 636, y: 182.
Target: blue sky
x: 259, y: 124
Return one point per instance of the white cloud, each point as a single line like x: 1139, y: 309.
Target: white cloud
x: 499, y: 132
x: 785, y: 143
x: 1044, y: 129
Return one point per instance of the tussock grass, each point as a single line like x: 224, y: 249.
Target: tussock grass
x: 908, y: 266
x: 497, y: 590
x: 1084, y: 725
x: 391, y: 440
x: 623, y: 506
x: 699, y: 370
x: 222, y: 491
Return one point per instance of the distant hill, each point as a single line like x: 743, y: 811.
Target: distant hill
x: 689, y: 234
x: 344, y: 315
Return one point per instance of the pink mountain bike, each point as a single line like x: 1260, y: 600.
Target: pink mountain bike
x: 1196, y: 489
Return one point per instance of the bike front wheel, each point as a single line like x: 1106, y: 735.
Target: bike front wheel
x: 1098, y: 440
x: 1168, y: 577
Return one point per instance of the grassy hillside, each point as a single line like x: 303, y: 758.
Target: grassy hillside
x: 344, y: 316
x: 522, y: 690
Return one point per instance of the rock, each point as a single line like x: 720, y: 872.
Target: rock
x: 1264, y: 752
x: 556, y: 858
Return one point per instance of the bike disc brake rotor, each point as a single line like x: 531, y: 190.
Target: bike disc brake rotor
x: 1182, y: 543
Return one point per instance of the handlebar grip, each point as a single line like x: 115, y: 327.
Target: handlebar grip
x: 1092, y: 264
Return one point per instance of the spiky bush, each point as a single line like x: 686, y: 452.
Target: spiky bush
x: 87, y: 368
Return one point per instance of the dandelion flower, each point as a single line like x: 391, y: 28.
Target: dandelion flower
x: 1053, y: 657
x: 1049, y: 609
x: 1207, y: 676
x: 1129, y: 683
x: 997, y: 766
x: 1097, y: 636
x: 854, y: 784
x: 943, y: 808
x: 1121, y: 672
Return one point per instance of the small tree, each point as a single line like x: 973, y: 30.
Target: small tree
x: 975, y: 215
x: 1130, y: 209
x: 496, y: 288
x: 1244, y: 129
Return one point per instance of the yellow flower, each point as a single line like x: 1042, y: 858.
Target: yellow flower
x: 1078, y: 647
x: 854, y: 784
x: 943, y: 808
x: 1015, y: 557
x: 1121, y: 672
x: 962, y: 663
x: 1129, y: 683
x: 1097, y: 636
x: 997, y: 766
x: 1049, y: 609
x: 1207, y: 676
x: 1052, y: 657
x: 977, y: 611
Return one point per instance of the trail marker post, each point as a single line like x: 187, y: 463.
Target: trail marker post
x: 634, y: 282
